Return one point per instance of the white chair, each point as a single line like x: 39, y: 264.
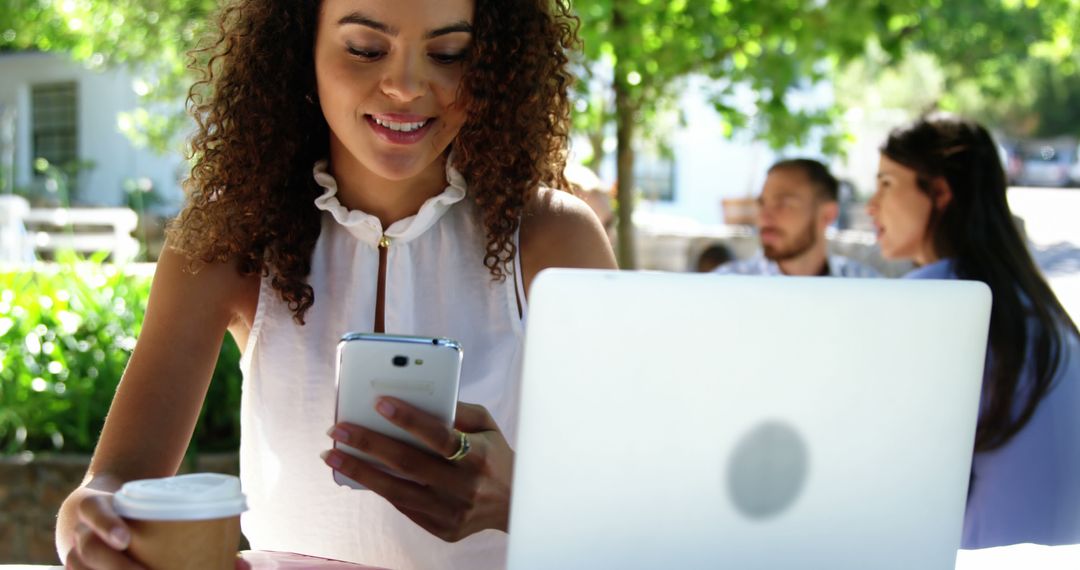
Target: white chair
x: 15, y: 245
x: 85, y: 230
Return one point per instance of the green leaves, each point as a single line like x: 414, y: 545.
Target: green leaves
x: 69, y: 331
x: 775, y: 47
x: 648, y: 47
x: 66, y: 334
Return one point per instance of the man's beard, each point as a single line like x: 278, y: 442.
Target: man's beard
x: 802, y: 243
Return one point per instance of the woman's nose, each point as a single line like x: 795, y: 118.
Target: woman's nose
x: 404, y: 79
x: 872, y: 204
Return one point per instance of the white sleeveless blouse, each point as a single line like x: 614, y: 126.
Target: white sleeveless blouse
x: 436, y: 285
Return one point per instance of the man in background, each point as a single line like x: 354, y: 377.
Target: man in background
x: 797, y: 203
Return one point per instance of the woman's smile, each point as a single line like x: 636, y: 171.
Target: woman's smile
x: 400, y: 129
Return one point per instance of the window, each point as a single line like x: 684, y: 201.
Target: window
x: 55, y: 123
x: 655, y: 177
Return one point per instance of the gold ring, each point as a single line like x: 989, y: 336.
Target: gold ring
x: 463, y: 447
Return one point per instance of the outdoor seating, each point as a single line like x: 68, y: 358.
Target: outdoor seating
x: 83, y: 230
x: 15, y: 246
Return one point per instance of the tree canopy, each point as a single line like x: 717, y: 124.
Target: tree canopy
x: 646, y: 48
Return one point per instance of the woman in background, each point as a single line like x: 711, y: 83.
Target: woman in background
x: 941, y: 202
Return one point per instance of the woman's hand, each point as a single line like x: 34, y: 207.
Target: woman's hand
x: 101, y: 537
x: 450, y: 499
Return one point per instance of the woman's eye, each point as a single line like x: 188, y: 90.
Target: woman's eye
x: 447, y: 58
x: 362, y: 53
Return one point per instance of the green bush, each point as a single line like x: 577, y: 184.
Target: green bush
x: 66, y: 333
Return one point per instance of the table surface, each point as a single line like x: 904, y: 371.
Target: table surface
x: 258, y: 560
x: 1027, y: 556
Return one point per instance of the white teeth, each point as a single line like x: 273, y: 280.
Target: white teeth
x: 400, y: 127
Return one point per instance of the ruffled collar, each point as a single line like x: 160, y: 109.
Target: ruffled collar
x: 368, y: 228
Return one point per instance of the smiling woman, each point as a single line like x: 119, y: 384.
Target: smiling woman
x: 359, y: 166
x: 389, y: 92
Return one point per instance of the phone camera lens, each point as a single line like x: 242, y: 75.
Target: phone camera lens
x: 400, y: 360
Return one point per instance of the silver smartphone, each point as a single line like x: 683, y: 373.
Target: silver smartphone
x: 422, y: 371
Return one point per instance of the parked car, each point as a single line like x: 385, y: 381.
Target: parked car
x: 1011, y: 161
x: 1048, y: 163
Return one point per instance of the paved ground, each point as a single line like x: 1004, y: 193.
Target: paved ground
x: 1052, y: 221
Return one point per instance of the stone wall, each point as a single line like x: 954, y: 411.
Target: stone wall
x: 32, y: 488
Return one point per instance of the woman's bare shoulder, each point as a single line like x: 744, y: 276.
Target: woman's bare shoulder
x: 559, y: 229
x: 219, y: 287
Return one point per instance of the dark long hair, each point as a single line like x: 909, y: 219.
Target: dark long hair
x: 976, y: 230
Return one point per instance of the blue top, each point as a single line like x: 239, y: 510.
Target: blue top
x: 839, y: 266
x: 1029, y: 489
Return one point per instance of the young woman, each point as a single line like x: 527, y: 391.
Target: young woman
x: 360, y: 165
x: 941, y: 201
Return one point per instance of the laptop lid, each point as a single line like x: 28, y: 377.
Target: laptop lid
x: 704, y: 421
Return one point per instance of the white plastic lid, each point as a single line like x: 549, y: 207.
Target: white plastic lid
x: 198, y: 496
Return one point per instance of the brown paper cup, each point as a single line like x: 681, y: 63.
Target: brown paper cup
x: 185, y: 545
x: 188, y: 522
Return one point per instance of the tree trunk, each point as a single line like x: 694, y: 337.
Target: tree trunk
x: 624, y: 154
x: 624, y: 134
x: 596, y: 139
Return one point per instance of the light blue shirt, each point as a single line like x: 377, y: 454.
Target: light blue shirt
x: 1029, y: 489
x: 839, y: 266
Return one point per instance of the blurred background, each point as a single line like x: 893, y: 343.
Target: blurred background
x: 680, y: 107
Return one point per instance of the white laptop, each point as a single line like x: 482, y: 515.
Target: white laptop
x: 704, y: 421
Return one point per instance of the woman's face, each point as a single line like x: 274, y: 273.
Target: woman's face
x: 388, y: 76
x: 901, y: 213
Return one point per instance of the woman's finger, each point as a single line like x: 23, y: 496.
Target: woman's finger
x: 98, y: 514
x: 92, y: 552
x: 400, y: 492
x: 73, y: 562
x: 426, y: 427
x: 416, y: 464
x: 472, y: 418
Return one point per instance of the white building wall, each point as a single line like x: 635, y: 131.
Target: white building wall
x: 709, y: 167
x: 102, y: 95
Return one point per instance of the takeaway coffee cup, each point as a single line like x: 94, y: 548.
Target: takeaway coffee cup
x: 185, y: 522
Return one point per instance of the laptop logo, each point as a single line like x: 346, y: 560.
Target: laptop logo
x: 768, y: 469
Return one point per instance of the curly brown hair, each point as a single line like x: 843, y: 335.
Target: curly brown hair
x: 260, y: 130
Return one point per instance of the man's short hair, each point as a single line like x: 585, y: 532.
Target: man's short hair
x: 823, y: 182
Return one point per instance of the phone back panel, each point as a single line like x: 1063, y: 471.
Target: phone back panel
x: 419, y: 370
